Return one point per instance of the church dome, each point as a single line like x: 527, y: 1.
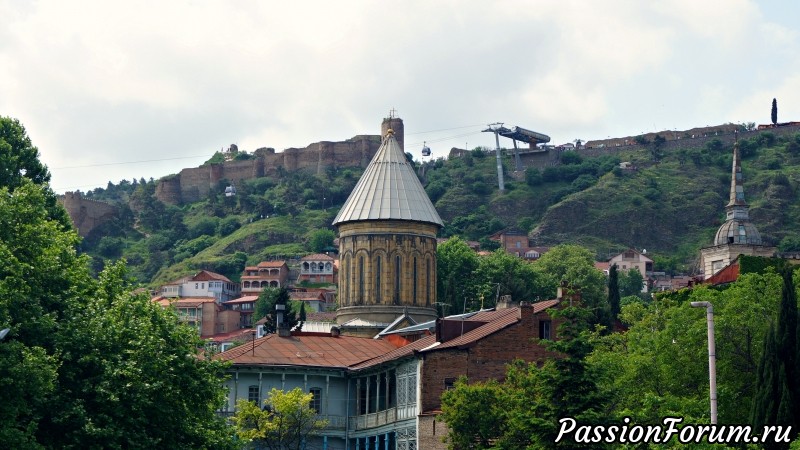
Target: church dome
x: 389, y: 190
x: 737, y: 232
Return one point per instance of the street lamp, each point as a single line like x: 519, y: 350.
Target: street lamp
x: 712, y: 358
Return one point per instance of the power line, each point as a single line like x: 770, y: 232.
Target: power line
x: 444, y: 129
x: 128, y: 162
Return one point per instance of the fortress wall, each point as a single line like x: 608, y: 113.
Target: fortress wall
x: 87, y: 214
x: 168, y: 190
x: 195, y: 183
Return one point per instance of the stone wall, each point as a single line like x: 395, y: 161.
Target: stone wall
x: 675, y: 140
x: 87, y: 214
x: 193, y: 184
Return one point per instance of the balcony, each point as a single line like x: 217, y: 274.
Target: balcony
x: 387, y: 416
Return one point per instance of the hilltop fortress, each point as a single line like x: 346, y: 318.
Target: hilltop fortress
x: 87, y: 214
x: 193, y: 184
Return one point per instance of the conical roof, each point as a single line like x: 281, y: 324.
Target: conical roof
x: 389, y: 190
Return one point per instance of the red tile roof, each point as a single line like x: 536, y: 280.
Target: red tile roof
x: 322, y: 350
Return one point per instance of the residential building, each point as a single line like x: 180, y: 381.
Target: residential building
x: 516, y: 242
x: 246, y: 306
x: 737, y: 236
x: 317, y: 268
x: 385, y: 393
x: 203, y: 313
x: 202, y: 284
x: 265, y: 274
x: 632, y: 259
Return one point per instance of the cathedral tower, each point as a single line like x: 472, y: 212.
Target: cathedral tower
x: 387, y: 243
x: 737, y: 236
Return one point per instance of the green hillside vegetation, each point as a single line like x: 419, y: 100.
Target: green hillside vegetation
x: 670, y: 203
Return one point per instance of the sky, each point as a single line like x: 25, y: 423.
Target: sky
x: 111, y: 90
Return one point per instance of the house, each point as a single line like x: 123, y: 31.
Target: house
x: 246, y: 306
x: 203, y: 313
x: 385, y: 392
x: 317, y: 363
x: 265, y: 274
x: 632, y: 259
x: 317, y: 268
x: 202, y: 284
x: 316, y: 300
x: 516, y: 242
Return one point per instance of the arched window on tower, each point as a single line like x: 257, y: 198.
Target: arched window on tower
x: 427, y: 282
x: 361, y: 280
x: 378, y: 279
x: 414, y: 298
x: 397, y: 262
x: 346, y: 285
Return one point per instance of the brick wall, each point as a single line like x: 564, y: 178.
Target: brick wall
x: 87, y: 214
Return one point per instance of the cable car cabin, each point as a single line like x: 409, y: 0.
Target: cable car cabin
x: 230, y: 191
x: 426, y: 151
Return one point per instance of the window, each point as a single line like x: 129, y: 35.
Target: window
x: 544, y: 329
x: 414, y: 297
x: 378, y: 279
x: 361, y: 279
x: 449, y: 383
x: 316, y: 400
x: 397, y: 280
x: 427, y: 282
x: 252, y: 394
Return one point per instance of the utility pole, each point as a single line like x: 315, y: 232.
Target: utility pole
x: 712, y: 358
x: 495, y: 128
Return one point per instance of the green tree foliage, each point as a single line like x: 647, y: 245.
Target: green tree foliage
x: 19, y: 161
x: 515, y: 277
x: 630, y: 283
x: 533, y: 176
x: 228, y: 225
x: 86, y: 363
x: 456, y: 265
x: 777, y: 397
x: 575, y: 265
x: 265, y: 307
x: 523, y: 411
x: 613, y: 291
x: 321, y: 239
x: 475, y: 414
x: 774, y: 112
x: 285, y: 423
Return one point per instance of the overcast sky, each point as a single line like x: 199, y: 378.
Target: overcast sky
x: 112, y: 90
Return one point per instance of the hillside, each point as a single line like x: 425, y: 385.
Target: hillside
x: 669, y: 202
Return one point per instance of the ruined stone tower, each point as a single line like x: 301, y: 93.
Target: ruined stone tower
x: 387, y: 242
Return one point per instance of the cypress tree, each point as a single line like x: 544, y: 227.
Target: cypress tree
x: 613, y: 291
x: 777, y: 397
x: 774, y: 111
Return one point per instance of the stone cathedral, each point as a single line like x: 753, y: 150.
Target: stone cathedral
x: 387, y: 243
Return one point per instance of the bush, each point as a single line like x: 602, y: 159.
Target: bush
x: 533, y: 176
x: 571, y: 157
x: 584, y: 182
x: 228, y: 225
x: 206, y: 225
x: 110, y: 247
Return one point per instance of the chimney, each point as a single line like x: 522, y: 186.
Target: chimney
x: 283, y: 330
x: 504, y: 302
x: 526, y: 315
x: 335, y: 331
x: 439, y: 330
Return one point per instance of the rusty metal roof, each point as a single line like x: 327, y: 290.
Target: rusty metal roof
x: 318, y: 350
x: 389, y: 189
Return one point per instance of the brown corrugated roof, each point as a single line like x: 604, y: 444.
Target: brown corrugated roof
x: 272, y: 264
x: 398, y: 353
x: 245, y: 299
x: 317, y: 257
x: 314, y: 351
x: 206, y: 275
x: 185, y: 302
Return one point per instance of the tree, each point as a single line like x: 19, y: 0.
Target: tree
x: 777, y: 397
x: 575, y: 265
x: 501, y: 273
x: 455, y: 267
x: 630, y: 282
x: 19, y: 160
x: 265, y: 307
x: 321, y: 239
x: 285, y: 422
x: 774, y: 112
x: 613, y: 291
x: 474, y: 413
